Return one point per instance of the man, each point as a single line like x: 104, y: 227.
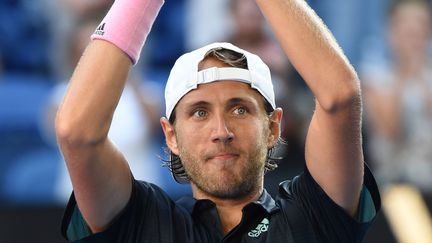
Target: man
x: 398, y: 98
x: 221, y: 122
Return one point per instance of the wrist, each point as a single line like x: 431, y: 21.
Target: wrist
x: 127, y: 24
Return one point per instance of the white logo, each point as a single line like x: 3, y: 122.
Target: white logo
x: 100, y: 30
x: 262, y: 227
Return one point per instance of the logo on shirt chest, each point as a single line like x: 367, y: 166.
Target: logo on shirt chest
x: 261, y: 228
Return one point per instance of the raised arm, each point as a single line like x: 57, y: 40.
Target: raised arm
x: 99, y: 173
x: 334, y: 153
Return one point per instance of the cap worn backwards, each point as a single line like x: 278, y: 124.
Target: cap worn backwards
x: 184, y: 75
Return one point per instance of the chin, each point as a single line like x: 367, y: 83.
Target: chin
x: 225, y: 187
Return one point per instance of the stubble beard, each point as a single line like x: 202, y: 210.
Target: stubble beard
x: 227, y: 185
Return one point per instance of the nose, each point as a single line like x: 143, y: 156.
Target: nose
x: 221, y: 131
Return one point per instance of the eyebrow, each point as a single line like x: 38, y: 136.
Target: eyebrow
x: 193, y: 105
x: 237, y: 100
x: 231, y: 102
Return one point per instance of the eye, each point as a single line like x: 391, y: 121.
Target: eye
x: 240, y: 110
x: 200, y: 113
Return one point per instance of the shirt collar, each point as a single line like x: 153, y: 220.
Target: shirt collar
x: 265, y: 201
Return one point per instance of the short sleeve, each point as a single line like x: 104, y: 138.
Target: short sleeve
x: 150, y: 216
x: 74, y: 224
x: 329, y: 221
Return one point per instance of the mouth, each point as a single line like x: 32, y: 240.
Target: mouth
x: 223, y: 156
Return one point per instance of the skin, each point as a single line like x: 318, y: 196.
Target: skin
x: 222, y: 134
x: 100, y: 174
x: 249, y: 33
x: 333, y: 153
x: 409, y: 35
x: 218, y: 142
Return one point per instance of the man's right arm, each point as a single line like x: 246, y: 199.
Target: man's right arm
x: 99, y: 173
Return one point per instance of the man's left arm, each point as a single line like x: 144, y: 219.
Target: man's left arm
x: 334, y: 155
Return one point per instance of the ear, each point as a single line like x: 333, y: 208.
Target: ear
x: 275, y: 127
x: 170, y: 137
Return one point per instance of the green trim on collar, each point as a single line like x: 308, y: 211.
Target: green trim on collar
x: 77, y: 228
x: 367, y: 209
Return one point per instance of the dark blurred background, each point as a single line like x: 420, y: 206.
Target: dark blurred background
x: 388, y: 42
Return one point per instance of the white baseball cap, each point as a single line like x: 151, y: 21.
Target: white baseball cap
x: 184, y: 75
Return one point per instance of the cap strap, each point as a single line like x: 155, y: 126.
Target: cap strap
x: 225, y: 73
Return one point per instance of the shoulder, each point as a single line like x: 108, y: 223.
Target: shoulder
x: 149, y: 208
x: 304, y: 187
x: 306, y: 206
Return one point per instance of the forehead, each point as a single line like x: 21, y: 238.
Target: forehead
x: 413, y: 9
x: 220, y: 92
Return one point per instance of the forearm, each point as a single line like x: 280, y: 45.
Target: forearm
x: 313, y: 51
x: 94, y: 91
x: 99, y: 78
x: 333, y: 150
x: 99, y: 172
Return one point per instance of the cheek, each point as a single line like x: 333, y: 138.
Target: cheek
x: 190, y: 138
x: 255, y: 132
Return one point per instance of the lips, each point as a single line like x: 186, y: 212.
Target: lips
x: 222, y: 155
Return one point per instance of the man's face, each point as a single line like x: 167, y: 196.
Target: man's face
x: 410, y: 31
x: 222, y: 134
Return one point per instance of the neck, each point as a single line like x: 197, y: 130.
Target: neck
x: 410, y: 67
x: 229, y: 210
x: 249, y: 39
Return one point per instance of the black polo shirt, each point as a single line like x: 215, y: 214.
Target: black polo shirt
x: 302, y: 212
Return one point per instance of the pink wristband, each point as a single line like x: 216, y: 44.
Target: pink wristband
x: 127, y: 25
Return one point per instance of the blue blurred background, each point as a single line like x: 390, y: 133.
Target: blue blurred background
x: 42, y: 40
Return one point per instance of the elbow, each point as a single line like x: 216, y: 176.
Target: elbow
x: 74, y: 135
x: 346, y: 96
